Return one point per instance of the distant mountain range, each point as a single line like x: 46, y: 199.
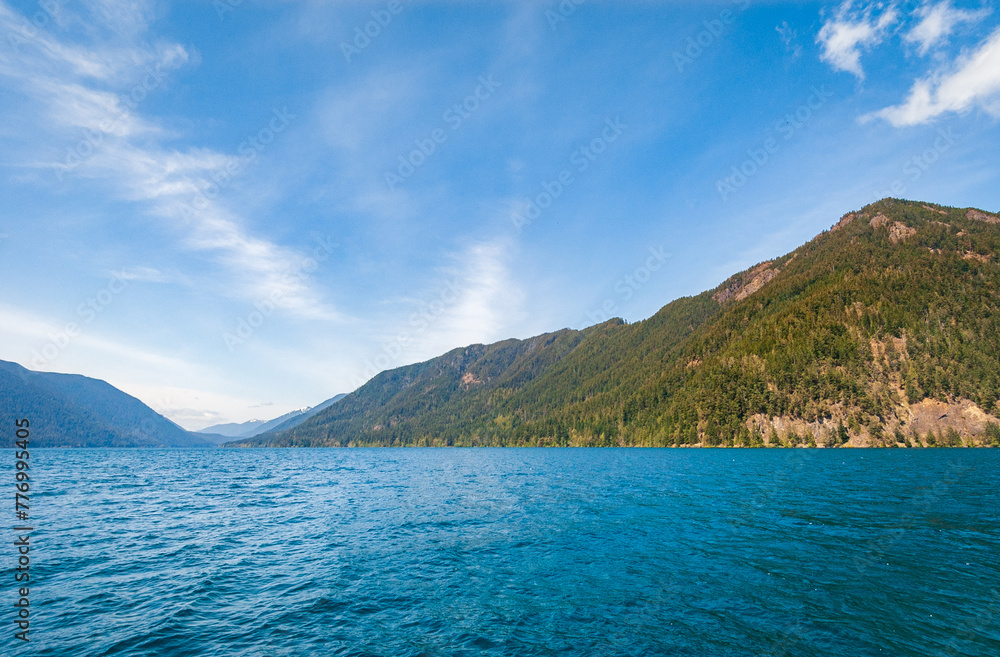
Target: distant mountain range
x: 69, y: 410
x: 220, y: 433
x: 882, y: 331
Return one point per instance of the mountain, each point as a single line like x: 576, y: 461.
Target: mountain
x: 882, y: 331
x: 296, y: 420
x: 251, y: 427
x: 255, y: 427
x: 69, y: 410
x: 235, y: 429
x: 215, y: 438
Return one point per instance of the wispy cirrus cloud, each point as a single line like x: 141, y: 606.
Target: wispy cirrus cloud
x: 26, y: 331
x: 490, y: 303
x: 937, y: 22
x: 789, y: 36
x: 844, y: 37
x: 476, y: 300
x: 150, y: 275
x: 972, y: 80
x: 95, y: 89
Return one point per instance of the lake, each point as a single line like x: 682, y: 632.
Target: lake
x: 512, y: 552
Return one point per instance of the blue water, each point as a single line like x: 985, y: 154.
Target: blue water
x: 512, y: 552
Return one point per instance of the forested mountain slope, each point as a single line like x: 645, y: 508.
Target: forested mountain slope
x: 884, y: 330
x: 69, y: 410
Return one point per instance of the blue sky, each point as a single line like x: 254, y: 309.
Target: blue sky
x: 234, y: 209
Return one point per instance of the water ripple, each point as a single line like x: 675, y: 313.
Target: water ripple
x: 264, y: 553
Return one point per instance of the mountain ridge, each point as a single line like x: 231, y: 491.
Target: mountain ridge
x: 856, y: 337
x: 253, y: 428
x: 72, y: 410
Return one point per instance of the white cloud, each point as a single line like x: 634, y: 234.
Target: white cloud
x: 96, y: 112
x: 477, y: 301
x: 125, y: 18
x: 32, y: 50
x: 355, y: 119
x: 937, y: 22
x: 95, y: 93
x: 844, y: 37
x: 489, y: 302
x: 151, y: 275
x: 194, y: 409
x: 972, y: 80
x: 790, y: 37
x: 24, y: 333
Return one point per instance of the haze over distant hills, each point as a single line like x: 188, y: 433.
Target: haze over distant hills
x: 883, y: 331
x: 69, y: 410
x: 255, y: 427
x: 248, y: 428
